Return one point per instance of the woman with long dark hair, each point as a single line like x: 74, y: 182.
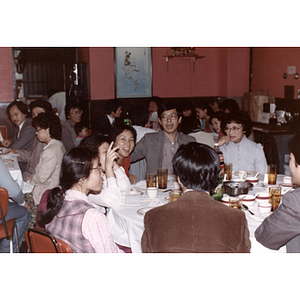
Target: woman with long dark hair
x: 69, y: 215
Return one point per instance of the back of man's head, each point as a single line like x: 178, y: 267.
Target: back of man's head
x: 197, y: 166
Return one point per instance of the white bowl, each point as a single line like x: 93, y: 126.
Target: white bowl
x: 248, y: 199
x: 152, y: 192
x: 252, y: 180
x: 264, y: 208
x: 225, y: 200
x: 262, y: 197
x: 287, y: 179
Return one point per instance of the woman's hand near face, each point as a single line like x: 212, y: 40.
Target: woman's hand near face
x: 133, y: 179
x: 110, y: 163
x: 223, y: 140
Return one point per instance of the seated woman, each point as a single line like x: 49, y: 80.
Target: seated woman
x: 188, y: 117
x: 69, y: 215
x: 46, y: 175
x: 124, y: 137
x: 282, y: 227
x: 203, y: 112
x: 216, y: 120
x: 115, y: 180
x: 245, y: 155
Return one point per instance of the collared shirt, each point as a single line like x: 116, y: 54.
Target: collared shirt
x: 245, y: 156
x: 95, y: 227
x: 111, y: 120
x: 20, y: 128
x: 169, y: 151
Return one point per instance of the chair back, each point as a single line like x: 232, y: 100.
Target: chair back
x: 40, y: 241
x: 3, y: 202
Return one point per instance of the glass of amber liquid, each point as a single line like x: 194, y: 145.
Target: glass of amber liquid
x: 235, y: 202
x: 228, y: 170
x: 272, y: 174
x: 151, y: 180
x: 274, y: 196
x: 162, y: 175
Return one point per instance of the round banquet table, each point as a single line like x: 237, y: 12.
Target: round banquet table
x: 127, y: 222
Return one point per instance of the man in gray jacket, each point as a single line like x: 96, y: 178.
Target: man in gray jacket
x: 158, y: 148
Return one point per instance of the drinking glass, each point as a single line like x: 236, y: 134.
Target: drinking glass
x: 151, y: 180
x: 272, y: 174
x: 228, y: 170
x: 162, y: 175
x: 274, y: 196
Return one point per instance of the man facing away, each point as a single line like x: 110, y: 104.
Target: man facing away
x: 103, y: 124
x: 159, y: 148
x: 195, y: 222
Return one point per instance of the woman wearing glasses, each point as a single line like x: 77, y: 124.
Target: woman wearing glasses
x: 73, y: 115
x: 244, y: 154
x: 69, y: 215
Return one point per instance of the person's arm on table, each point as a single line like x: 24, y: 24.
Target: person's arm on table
x: 280, y: 227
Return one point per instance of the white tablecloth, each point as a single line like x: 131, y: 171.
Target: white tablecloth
x: 11, y: 162
x: 127, y: 225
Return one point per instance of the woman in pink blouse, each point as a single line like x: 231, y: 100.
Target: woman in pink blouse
x: 69, y: 215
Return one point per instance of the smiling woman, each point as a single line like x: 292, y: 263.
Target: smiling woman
x: 124, y: 137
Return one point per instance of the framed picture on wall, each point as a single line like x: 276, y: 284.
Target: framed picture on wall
x: 133, y: 72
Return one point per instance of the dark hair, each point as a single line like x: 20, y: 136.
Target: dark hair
x: 166, y: 106
x: 41, y: 103
x: 138, y: 115
x: 229, y: 104
x: 185, y: 105
x: 76, y: 165
x: 51, y: 121
x: 79, y: 126
x: 155, y: 99
x: 221, y: 116
x: 294, y: 147
x: 118, y: 129
x: 204, y: 105
x: 112, y: 105
x: 239, y: 117
x: 93, y: 142
x: 197, y: 166
x: 20, y: 105
x: 73, y: 104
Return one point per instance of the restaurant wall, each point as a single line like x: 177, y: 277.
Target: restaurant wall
x: 268, y: 66
x: 223, y: 72
x: 6, y: 75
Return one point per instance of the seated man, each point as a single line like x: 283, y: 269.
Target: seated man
x: 18, y: 210
x: 195, y: 222
x: 158, y: 148
x: 24, y: 133
x: 282, y: 227
x: 103, y: 124
x: 73, y: 114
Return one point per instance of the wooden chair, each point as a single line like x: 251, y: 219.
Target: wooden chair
x: 40, y: 241
x: 7, y: 228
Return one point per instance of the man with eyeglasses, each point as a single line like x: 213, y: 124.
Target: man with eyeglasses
x: 158, y: 148
x: 237, y: 148
x: 73, y: 115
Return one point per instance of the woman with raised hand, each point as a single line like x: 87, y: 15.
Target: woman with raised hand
x: 69, y: 215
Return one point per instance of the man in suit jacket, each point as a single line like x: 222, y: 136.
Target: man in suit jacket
x: 282, y: 227
x: 24, y: 133
x: 196, y: 222
x: 103, y: 124
x: 159, y: 148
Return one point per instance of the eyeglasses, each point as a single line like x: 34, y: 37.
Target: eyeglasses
x: 97, y: 168
x: 38, y: 129
x: 76, y: 112
x: 233, y: 129
x: 170, y: 116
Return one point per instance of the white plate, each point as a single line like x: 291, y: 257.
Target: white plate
x: 143, y: 210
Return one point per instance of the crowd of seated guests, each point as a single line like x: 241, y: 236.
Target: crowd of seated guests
x: 77, y: 176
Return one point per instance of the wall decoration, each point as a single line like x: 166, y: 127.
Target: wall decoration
x: 133, y: 72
